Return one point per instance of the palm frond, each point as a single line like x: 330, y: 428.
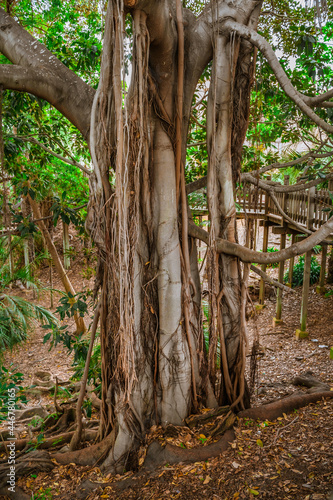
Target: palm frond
x: 17, y: 317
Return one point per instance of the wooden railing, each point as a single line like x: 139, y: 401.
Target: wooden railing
x: 296, y: 205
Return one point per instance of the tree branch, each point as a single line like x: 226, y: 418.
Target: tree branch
x: 62, y: 158
x: 35, y: 82
x: 195, y: 185
x: 247, y: 255
x: 291, y: 163
x: 318, y: 100
x: 269, y: 280
x: 279, y: 72
x: 53, y: 81
x: 278, y: 188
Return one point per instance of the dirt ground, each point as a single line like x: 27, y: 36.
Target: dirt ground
x: 288, y: 458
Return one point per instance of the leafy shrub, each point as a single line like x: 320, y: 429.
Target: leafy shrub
x: 298, y: 272
x: 10, y: 379
x: 17, y: 316
x: 272, y: 250
x: 76, y: 344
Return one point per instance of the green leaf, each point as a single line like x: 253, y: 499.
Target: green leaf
x: 47, y: 337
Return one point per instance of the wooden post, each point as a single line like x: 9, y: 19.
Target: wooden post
x: 302, y: 333
x: 67, y: 261
x: 51, y: 282
x: 261, y: 304
x: 255, y: 234
x: 278, y: 315
x: 32, y: 255
x: 291, y: 263
x: 321, y: 287
x: 26, y: 257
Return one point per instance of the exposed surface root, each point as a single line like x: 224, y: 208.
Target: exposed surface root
x: 62, y: 424
x: 17, y: 495
x: 86, y: 456
x: 50, y: 442
x: 276, y: 409
x: 308, y: 380
x: 194, y: 420
x: 158, y: 455
x: 87, y: 487
x: 35, y: 462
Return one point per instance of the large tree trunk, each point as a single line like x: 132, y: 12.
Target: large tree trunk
x: 154, y: 366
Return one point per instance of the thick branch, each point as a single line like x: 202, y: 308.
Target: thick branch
x: 246, y: 176
x: 53, y: 81
x: 291, y: 163
x: 280, y: 74
x: 247, y: 255
x: 195, y: 185
x: 319, y: 100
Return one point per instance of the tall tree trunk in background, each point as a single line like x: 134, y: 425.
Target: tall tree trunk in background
x: 79, y: 321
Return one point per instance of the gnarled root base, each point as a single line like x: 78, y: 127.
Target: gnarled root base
x: 157, y: 455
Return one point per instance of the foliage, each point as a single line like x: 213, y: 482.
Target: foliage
x: 42, y: 494
x: 71, y: 304
x: 10, y: 379
x: 79, y: 344
x: 272, y: 250
x: 317, y: 249
x: 17, y: 316
x: 94, y: 374
x: 298, y: 272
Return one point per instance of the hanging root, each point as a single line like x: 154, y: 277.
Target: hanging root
x: 75, y: 441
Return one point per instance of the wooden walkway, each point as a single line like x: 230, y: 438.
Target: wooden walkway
x: 305, y: 208
x: 308, y: 209
x: 304, y: 212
